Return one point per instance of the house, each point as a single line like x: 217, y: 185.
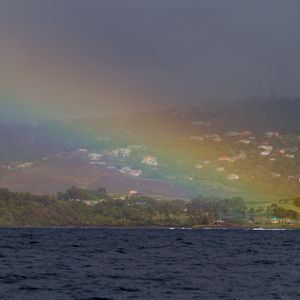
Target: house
x: 244, y: 141
x: 25, y: 165
x: 198, y: 166
x: 90, y: 202
x: 276, y: 220
x: 94, y: 156
x: 233, y: 177
x: 270, y: 134
x: 290, y: 155
x: 125, y: 152
x: 219, y: 169
x: 150, y: 160
x: 225, y: 158
x: 135, y: 173
x: 264, y: 153
x: 133, y: 193
x: 219, y: 221
x: 131, y: 172
x: 268, y: 148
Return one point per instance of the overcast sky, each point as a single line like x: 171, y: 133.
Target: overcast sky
x: 114, y: 55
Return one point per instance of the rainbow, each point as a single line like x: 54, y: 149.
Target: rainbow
x: 36, y: 84
x: 160, y: 138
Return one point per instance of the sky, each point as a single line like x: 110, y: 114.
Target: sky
x: 98, y: 57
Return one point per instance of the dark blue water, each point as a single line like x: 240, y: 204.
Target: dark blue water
x: 149, y: 264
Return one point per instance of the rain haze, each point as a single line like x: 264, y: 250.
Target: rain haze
x: 102, y: 57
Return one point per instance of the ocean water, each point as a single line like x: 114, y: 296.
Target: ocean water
x: 95, y: 263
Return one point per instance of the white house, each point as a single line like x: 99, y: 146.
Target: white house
x: 233, y: 177
x: 94, y: 156
x: 150, y: 160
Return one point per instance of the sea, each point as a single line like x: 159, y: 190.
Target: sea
x: 120, y: 263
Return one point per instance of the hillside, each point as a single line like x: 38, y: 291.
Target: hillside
x: 248, y: 149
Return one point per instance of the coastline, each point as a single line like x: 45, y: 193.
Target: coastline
x: 198, y: 227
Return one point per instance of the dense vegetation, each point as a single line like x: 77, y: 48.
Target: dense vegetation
x: 80, y: 207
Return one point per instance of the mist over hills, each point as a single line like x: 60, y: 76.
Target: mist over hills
x: 256, y: 114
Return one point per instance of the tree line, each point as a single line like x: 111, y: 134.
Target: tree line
x: 82, y: 207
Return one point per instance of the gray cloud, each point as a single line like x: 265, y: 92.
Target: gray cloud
x: 186, y: 51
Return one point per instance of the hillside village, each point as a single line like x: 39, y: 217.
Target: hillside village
x: 230, y: 157
x: 272, y: 146
x: 191, y: 149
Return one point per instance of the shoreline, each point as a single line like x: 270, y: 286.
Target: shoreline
x: 255, y: 228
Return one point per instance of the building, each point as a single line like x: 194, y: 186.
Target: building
x: 265, y: 153
x: 94, y: 156
x: 135, y: 173
x: 150, y: 160
x: 233, y: 177
x: 133, y: 193
x: 225, y: 158
x: 266, y: 148
x: 25, y: 165
x: 131, y: 172
x: 270, y: 134
x: 244, y: 141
